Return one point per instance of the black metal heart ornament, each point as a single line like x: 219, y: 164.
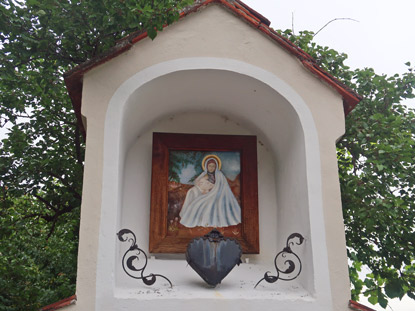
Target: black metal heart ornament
x: 213, y: 256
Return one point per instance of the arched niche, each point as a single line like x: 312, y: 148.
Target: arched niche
x: 213, y: 96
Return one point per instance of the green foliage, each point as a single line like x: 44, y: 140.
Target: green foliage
x: 376, y: 169
x: 41, y: 159
x: 180, y: 159
x: 35, y: 271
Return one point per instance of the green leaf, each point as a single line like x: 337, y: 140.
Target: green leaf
x: 373, y: 299
x: 43, y: 39
x: 394, y: 289
x: 41, y: 159
x: 152, y: 33
x: 382, y: 299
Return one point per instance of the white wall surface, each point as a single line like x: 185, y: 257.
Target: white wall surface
x: 211, y: 66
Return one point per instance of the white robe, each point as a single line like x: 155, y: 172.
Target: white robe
x: 217, y: 208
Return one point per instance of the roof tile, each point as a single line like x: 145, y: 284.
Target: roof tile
x: 358, y: 306
x: 60, y: 304
x: 73, y: 78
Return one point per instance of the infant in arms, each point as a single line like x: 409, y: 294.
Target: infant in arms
x: 210, y: 203
x: 204, y: 184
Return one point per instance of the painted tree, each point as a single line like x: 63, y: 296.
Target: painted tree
x: 41, y: 158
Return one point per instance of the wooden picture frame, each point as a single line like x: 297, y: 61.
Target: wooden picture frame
x: 183, y: 208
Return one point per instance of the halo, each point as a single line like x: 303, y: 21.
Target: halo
x: 209, y: 156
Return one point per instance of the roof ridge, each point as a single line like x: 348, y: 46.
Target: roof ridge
x: 73, y: 77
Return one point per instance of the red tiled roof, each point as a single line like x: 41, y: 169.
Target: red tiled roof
x: 358, y: 306
x: 73, y: 78
x: 60, y: 304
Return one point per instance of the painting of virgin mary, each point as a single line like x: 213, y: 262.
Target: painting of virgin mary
x: 200, y: 182
x: 210, y: 202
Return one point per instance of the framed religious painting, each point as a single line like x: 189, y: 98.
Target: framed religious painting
x: 200, y: 182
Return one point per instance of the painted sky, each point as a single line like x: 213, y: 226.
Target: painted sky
x: 382, y: 37
x: 230, y: 166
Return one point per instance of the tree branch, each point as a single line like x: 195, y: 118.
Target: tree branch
x: 48, y: 205
x: 52, y: 228
x: 333, y: 20
x: 62, y: 180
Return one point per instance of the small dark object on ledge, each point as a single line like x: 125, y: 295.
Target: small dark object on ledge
x: 213, y: 256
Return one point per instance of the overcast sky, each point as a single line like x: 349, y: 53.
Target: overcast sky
x: 382, y: 38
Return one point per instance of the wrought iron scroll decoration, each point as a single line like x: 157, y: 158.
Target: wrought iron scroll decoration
x: 286, y: 259
x: 133, y: 255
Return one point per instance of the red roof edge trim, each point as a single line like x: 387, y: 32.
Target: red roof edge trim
x: 358, y: 306
x: 74, y: 77
x: 60, y: 304
x: 241, y: 12
x: 261, y: 17
x: 350, y: 98
x: 247, y: 13
x: 285, y: 43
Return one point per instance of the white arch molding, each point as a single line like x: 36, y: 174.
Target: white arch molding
x: 117, y: 139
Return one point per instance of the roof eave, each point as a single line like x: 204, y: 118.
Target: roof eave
x: 358, y: 306
x: 74, y: 77
x: 60, y: 304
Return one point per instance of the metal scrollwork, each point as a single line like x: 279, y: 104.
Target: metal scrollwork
x: 287, y: 263
x: 135, y: 260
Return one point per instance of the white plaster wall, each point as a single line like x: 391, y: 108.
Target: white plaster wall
x: 135, y: 212
x: 235, y: 97
x: 136, y: 199
x: 117, y: 115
